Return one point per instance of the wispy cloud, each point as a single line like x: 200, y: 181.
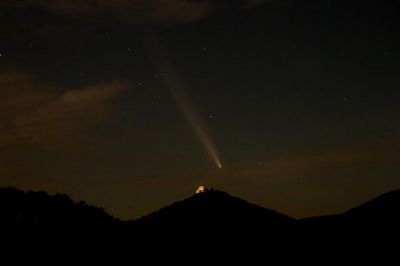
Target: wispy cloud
x: 134, y: 11
x: 353, y: 160
x: 47, y: 117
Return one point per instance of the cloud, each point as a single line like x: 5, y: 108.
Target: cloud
x: 133, y: 11
x: 354, y: 161
x: 47, y: 117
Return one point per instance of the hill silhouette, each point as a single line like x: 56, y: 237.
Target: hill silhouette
x: 213, y: 220
x: 38, y: 211
x: 214, y: 213
x: 366, y: 232
x: 214, y: 207
x: 384, y: 208
x: 41, y: 214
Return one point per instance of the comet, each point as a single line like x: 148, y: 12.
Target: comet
x: 170, y: 76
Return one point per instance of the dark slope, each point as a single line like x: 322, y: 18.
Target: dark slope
x: 215, y: 208
x: 211, y: 223
x: 41, y: 214
x: 383, y: 208
x: 215, y: 219
x: 376, y: 221
x: 212, y: 215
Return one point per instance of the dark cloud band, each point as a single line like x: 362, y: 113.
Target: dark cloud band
x: 132, y: 11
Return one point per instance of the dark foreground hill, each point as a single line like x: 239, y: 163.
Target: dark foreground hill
x: 211, y: 210
x: 207, y: 222
x: 214, y: 213
x: 37, y: 213
x: 380, y: 213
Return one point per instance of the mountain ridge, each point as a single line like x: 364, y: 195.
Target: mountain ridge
x: 209, y: 223
x: 384, y: 198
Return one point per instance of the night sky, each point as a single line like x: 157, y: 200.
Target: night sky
x: 132, y: 104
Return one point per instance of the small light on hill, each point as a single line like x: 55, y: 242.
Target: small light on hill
x: 201, y: 189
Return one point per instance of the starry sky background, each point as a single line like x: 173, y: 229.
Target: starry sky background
x: 301, y: 99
